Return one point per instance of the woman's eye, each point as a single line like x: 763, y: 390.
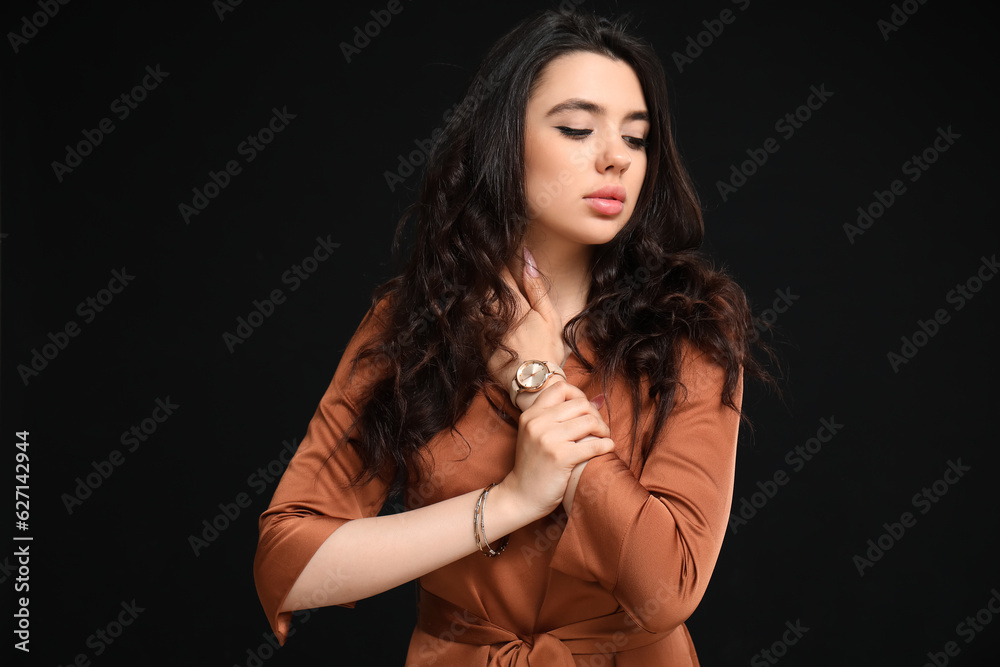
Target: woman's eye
x: 573, y: 132
x: 637, y: 142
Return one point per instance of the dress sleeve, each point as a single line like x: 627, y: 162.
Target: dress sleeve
x: 314, y: 497
x: 654, y: 541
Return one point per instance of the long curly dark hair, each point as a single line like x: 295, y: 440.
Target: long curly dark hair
x: 449, y: 309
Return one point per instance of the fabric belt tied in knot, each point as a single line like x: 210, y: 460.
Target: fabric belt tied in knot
x: 614, y: 632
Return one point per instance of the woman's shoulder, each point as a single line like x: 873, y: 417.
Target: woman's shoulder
x: 376, y: 319
x: 364, y: 352
x: 703, y: 374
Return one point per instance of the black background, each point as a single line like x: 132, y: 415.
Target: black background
x: 324, y: 176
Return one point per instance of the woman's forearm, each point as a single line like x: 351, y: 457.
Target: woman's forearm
x: 367, y: 556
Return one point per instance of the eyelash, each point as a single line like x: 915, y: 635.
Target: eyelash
x: 574, y: 133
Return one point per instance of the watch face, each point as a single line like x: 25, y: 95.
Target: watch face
x: 531, y: 374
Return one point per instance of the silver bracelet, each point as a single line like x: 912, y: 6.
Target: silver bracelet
x: 479, y: 526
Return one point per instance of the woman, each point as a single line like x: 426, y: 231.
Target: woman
x: 555, y: 261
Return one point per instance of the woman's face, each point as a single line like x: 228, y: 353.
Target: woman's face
x: 585, y: 161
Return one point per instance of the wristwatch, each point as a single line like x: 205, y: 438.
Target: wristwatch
x: 531, y: 376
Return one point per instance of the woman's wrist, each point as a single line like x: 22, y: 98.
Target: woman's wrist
x: 517, y: 397
x: 574, y: 480
x: 505, y: 513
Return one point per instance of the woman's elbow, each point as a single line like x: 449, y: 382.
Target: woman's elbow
x: 661, y: 603
x: 665, y: 606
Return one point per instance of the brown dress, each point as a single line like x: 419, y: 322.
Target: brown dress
x: 610, y: 584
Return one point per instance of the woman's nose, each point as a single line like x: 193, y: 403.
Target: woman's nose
x: 614, y: 156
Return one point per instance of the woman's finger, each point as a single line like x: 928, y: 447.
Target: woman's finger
x: 572, y: 408
x: 557, y: 391
x: 538, y: 293
x: 582, y: 426
x: 523, y: 306
x: 561, y: 404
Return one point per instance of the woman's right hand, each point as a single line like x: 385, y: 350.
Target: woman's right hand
x: 550, y: 443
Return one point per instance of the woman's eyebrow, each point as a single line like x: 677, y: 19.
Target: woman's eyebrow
x: 578, y: 104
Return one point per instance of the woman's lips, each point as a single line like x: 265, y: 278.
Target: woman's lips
x: 605, y: 206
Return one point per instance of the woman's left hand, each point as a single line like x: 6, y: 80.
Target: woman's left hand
x: 537, y: 333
